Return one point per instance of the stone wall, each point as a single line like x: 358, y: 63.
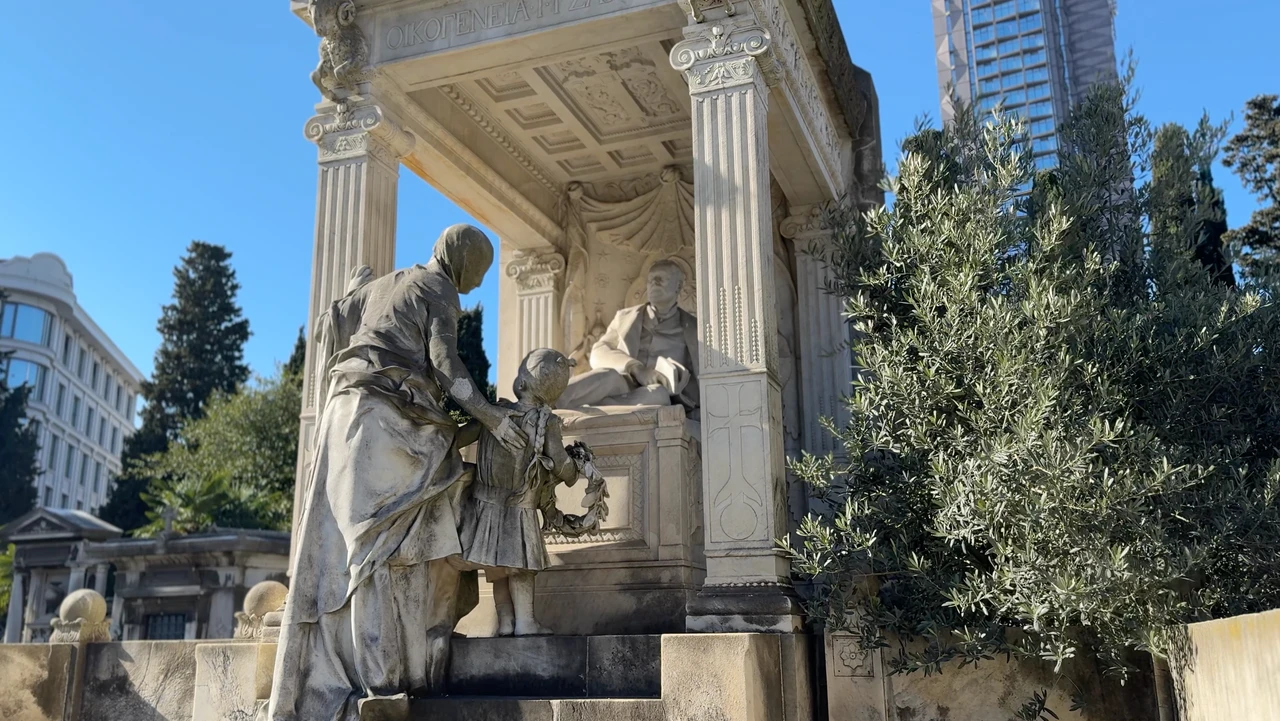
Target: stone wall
x: 1229, y: 669
x: 859, y: 687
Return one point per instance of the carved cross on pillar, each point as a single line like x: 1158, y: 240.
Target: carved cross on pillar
x: 729, y: 68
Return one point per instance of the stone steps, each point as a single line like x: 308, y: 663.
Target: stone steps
x: 513, y: 709
x: 557, y: 667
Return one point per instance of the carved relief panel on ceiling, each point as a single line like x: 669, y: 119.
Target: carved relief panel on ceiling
x: 614, y: 93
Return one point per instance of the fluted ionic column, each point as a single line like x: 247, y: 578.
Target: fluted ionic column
x: 728, y: 66
x: 359, y: 152
x: 537, y: 278
x: 826, y: 365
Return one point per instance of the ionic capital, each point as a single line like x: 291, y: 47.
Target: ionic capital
x: 358, y: 131
x: 534, y: 272
x: 725, y: 55
x: 806, y: 225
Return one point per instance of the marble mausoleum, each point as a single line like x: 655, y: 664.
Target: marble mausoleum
x: 595, y: 138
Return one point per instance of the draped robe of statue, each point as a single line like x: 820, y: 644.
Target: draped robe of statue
x: 373, y: 599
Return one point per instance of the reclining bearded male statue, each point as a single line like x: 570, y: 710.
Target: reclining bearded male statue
x: 648, y: 355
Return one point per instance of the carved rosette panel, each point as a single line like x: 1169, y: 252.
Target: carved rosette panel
x: 848, y: 660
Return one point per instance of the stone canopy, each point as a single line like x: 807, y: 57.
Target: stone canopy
x: 595, y: 138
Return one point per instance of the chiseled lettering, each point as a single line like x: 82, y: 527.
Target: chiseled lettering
x: 395, y: 37
x: 520, y: 14
x: 498, y: 15
x: 435, y: 29
x: 440, y: 28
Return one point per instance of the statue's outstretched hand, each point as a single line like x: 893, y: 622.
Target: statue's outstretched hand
x: 509, y: 434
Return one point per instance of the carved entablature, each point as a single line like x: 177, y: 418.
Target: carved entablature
x: 364, y: 130
x: 535, y: 272
x: 697, y: 10
x: 810, y: 99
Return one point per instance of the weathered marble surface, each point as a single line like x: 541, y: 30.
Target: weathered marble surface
x: 139, y: 680
x: 36, y: 681
x: 736, y: 677
x: 232, y: 680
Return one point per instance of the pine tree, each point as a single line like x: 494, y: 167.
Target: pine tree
x: 203, y: 337
x: 1254, y: 155
x: 19, y: 447
x: 201, y: 352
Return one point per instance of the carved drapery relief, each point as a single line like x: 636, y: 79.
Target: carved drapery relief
x: 613, y: 233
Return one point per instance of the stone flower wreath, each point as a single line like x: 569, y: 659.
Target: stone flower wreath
x: 569, y: 524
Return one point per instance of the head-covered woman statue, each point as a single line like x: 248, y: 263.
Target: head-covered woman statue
x: 373, y: 598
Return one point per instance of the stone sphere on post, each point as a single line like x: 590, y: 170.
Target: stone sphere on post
x: 84, y: 605
x: 82, y: 618
x: 264, y: 598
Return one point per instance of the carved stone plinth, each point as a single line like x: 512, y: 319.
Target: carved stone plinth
x: 729, y: 67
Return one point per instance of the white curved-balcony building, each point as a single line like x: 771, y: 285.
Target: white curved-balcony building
x: 84, y: 389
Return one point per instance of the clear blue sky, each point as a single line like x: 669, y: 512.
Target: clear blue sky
x: 136, y: 127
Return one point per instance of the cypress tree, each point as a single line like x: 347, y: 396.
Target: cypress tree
x: 201, y: 351
x: 294, y: 366
x: 471, y: 348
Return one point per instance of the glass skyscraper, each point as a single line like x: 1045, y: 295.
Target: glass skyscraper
x: 1037, y: 56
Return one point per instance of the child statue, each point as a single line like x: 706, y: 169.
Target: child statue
x: 499, y: 528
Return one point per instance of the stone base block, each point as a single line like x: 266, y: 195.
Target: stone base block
x: 38, y: 681
x: 490, y: 709
x: 557, y: 667
x: 623, y: 598
x: 736, y: 677
x: 139, y: 680
x: 232, y: 680
x: 732, y: 609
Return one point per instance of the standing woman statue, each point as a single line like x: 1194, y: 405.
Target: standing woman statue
x: 373, y: 599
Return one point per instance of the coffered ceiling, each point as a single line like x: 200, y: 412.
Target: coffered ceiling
x: 600, y: 116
